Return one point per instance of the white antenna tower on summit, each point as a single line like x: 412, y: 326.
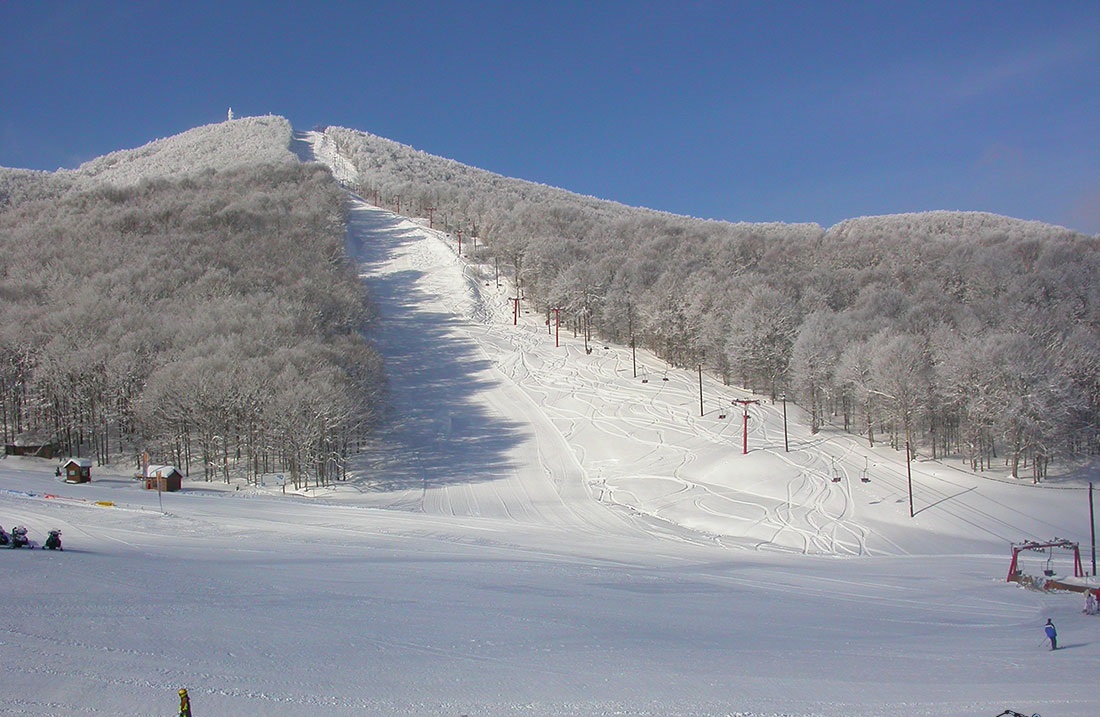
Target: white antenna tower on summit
x: 229, y: 115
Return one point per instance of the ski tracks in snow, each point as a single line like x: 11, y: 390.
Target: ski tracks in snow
x: 422, y: 286
x: 482, y: 400
x: 454, y: 394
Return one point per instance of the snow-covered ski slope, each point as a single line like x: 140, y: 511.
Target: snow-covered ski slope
x: 489, y: 412
x: 543, y: 532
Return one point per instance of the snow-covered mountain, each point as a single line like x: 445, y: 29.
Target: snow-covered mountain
x: 545, y: 530
x: 215, y: 147
x: 210, y: 148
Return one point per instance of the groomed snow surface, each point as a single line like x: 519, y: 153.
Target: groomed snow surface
x: 544, y: 532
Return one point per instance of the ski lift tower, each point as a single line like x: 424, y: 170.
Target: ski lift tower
x: 745, y: 403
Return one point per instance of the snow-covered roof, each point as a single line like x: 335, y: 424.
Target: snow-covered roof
x: 82, y: 462
x: 163, y: 470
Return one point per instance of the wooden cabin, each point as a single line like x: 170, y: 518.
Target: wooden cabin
x: 32, y: 444
x: 163, y: 478
x: 77, y: 470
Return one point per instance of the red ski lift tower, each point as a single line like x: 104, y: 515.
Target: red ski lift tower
x: 1041, y: 546
x: 745, y: 403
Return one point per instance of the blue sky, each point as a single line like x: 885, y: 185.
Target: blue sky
x: 746, y: 111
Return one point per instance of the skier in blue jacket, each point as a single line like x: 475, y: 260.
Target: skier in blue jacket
x: 1050, y: 631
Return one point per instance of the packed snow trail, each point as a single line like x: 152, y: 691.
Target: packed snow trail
x: 456, y: 384
x: 450, y: 417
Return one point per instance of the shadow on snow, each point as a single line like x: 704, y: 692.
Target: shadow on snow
x: 434, y: 432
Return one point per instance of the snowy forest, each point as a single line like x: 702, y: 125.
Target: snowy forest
x: 191, y: 299
x: 203, y: 314
x: 951, y: 333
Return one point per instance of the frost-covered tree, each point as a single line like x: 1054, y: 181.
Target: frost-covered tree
x: 815, y: 355
x: 901, y: 370
x: 152, y: 309
x: 763, y: 329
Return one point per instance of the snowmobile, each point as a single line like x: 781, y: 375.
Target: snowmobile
x: 4, y: 540
x: 19, y: 537
x: 53, y: 540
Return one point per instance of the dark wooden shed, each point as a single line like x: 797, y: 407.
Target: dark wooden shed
x: 77, y: 470
x: 163, y: 478
x: 32, y: 444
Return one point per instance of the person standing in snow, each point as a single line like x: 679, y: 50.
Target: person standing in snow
x: 1050, y: 631
x: 185, y: 704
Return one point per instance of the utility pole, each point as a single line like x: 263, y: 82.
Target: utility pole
x: 745, y: 403
x: 700, y: 382
x: 910, y: 490
x: 631, y: 333
x: 556, y: 310
x: 430, y: 210
x: 907, y: 448
x: 516, y: 309
x: 784, y: 412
